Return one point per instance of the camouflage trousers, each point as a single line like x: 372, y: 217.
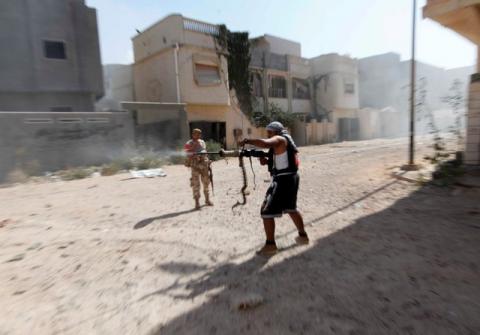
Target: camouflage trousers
x: 200, y: 173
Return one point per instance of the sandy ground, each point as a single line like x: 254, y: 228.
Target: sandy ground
x: 112, y: 255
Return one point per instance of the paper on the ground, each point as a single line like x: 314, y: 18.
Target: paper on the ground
x: 150, y: 173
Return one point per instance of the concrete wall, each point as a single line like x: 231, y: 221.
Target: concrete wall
x: 161, y: 35
x: 376, y: 123
x: 385, y: 80
x: 190, y: 90
x: 472, y: 152
x: 24, y: 26
x: 154, y: 68
x: 337, y: 71
x: 51, y: 141
x: 118, y: 84
x: 154, y: 79
x: 283, y: 46
x: 380, y: 81
x: 171, y: 30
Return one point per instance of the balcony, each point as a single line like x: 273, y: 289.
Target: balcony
x: 200, y: 27
x: 277, y: 92
x: 462, y: 16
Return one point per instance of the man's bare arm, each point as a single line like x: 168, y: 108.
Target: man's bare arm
x: 265, y: 143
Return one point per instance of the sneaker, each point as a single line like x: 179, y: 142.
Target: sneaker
x: 302, y: 239
x: 268, y: 250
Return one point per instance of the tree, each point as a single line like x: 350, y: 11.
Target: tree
x: 273, y: 113
x: 456, y: 101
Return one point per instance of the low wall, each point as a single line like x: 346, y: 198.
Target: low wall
x: 320, y: 132
x: 43, y: 141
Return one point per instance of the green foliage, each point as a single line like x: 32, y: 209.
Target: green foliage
x: 235, y: 46
x: 213, y: 146
x: 446, y: 172
x: 273, y: 113
x: 75, y: 173
x: 456, y: 101
x: 149, y: 161
x: 439, y: 145
x: 141, y: 162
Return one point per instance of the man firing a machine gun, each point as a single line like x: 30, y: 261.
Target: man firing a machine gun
x: 281, y: 197
x: 198, y: 161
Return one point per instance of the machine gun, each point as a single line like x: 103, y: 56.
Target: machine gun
x: 249, y: 153
x: 235, y: 153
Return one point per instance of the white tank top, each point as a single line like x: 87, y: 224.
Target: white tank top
x: 281, y: 161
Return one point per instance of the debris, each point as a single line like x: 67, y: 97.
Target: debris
x: 150, y: 173
x: 16, y: 258
x: 247, y: 301
x: 5, y: 222
x: 34, y: 246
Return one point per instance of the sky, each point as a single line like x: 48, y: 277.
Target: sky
x: 359, y: 28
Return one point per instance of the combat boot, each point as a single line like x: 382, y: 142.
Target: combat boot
x: 207, y: 200
x: 197, y: 203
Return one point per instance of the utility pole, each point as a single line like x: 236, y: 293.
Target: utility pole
x: 411, y: 160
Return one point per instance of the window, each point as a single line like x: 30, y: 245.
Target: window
x: 277, y: 87
x: 207, y: 74
x: 349, y: 86
x: 300, y: 89
x: 257, y: 88
x: 54, y: 50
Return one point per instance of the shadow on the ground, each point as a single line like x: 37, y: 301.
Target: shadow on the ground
x: 146, y: 222
x: 413, y: 268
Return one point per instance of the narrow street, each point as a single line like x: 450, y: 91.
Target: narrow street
x: 114, y: 255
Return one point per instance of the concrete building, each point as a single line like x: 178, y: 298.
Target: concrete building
x: 463, y: 16
x: 176, y: 61
x: 335, y: 84
x: 280, y: 75
x: 118, y: 86
x: 384, y: 81
x: 322, y: 88
x: 50, y: 59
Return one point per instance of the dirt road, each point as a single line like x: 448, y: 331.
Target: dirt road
x: 112, y: 255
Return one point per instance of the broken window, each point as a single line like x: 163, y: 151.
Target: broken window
x: 349, y: 85
x: 277, y: 87
x: 54, y: 50
x: 207, y: 74
x: 300, y: 89
x: 257, y: 87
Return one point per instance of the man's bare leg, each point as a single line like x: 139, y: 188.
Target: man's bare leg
x: 298, y: 221
x: 270, y: 247
x: 269, y: 225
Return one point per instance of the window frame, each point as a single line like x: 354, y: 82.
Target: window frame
x: 303, y: 81
x: 196, y: 77
x: 348, y: 83
x: 271, y: 88
x: 44, y: 47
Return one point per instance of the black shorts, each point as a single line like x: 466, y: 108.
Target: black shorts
x: 281, y: 196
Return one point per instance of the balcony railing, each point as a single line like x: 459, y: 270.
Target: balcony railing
x: 277, y: 92
x: 200, y: 27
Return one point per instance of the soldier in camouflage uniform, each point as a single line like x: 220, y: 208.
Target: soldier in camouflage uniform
x: 200, y: 165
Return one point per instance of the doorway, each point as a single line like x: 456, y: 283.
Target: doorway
x: 215, y: 131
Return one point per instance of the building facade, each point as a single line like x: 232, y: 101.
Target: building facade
x: 463, y: 16
x: 53, y: 59
x: 321, y: 88
x: 177, y: 61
